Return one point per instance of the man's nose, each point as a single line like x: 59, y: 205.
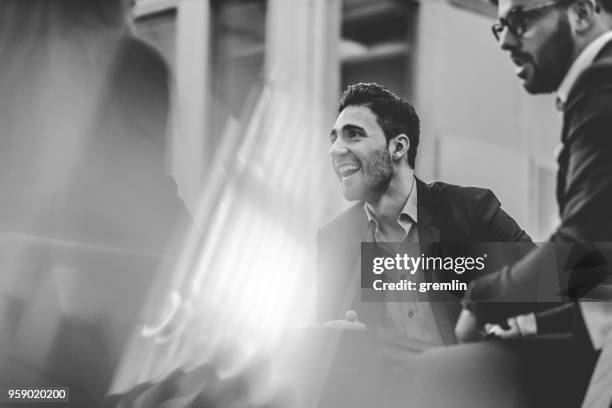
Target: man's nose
x: 507, y: 40
x: 338, y: 148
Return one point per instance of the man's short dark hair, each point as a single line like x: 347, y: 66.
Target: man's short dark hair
x: 394, y: 115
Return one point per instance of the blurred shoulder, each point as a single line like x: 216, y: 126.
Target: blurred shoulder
x: 347, y: 222
x: 137, y: 55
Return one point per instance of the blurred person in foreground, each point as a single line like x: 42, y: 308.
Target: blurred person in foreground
x: 89, y: 220
x: 563, y: 47
x: 373, y: 151
x: 87, y: 214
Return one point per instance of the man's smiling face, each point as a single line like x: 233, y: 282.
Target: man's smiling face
x: 360, y: 155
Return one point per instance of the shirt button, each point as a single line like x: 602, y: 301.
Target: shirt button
x: 410, y: 314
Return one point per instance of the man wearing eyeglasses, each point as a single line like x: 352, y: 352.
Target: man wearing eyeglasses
x: 540, y: 39
x: 562, y: 46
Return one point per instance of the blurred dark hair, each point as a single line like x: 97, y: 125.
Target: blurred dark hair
x: 394, y: 115
x: 39, y: 15
x: 108, y: 12
x: 26, y: 25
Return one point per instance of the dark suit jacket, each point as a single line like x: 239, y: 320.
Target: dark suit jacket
x: 584, y: 194
x: 446, y: 213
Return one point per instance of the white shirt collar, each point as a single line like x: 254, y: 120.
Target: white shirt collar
x: 586, y: 58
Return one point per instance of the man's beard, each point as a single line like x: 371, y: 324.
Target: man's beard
x: 554, y: 62
x: 378, y: 170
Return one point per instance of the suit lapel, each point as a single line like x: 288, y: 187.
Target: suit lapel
x: 365, y: 232
x: 427, y: 224
x: 563, y: 156
x: 429, y: 234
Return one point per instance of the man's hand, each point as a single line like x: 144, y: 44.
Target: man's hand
x: 513, y: 330
x: 518, y: 326
x: 351, y: 322
x: 468, y: 329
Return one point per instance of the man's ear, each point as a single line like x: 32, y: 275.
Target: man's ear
x: 582, y: 15
x: 398, y: 146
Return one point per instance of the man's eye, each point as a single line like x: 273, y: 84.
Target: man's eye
x: 354, y: 134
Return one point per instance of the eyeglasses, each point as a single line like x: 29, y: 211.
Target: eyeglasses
x: 515, y: 20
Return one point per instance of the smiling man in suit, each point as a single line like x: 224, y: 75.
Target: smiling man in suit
x: 373, y: 151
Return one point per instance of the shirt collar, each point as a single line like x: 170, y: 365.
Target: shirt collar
x: 586, y: 58
x: 409, y: 209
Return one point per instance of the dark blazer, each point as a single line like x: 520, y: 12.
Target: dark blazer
x: 584, y: 194
x: 446, y: 213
